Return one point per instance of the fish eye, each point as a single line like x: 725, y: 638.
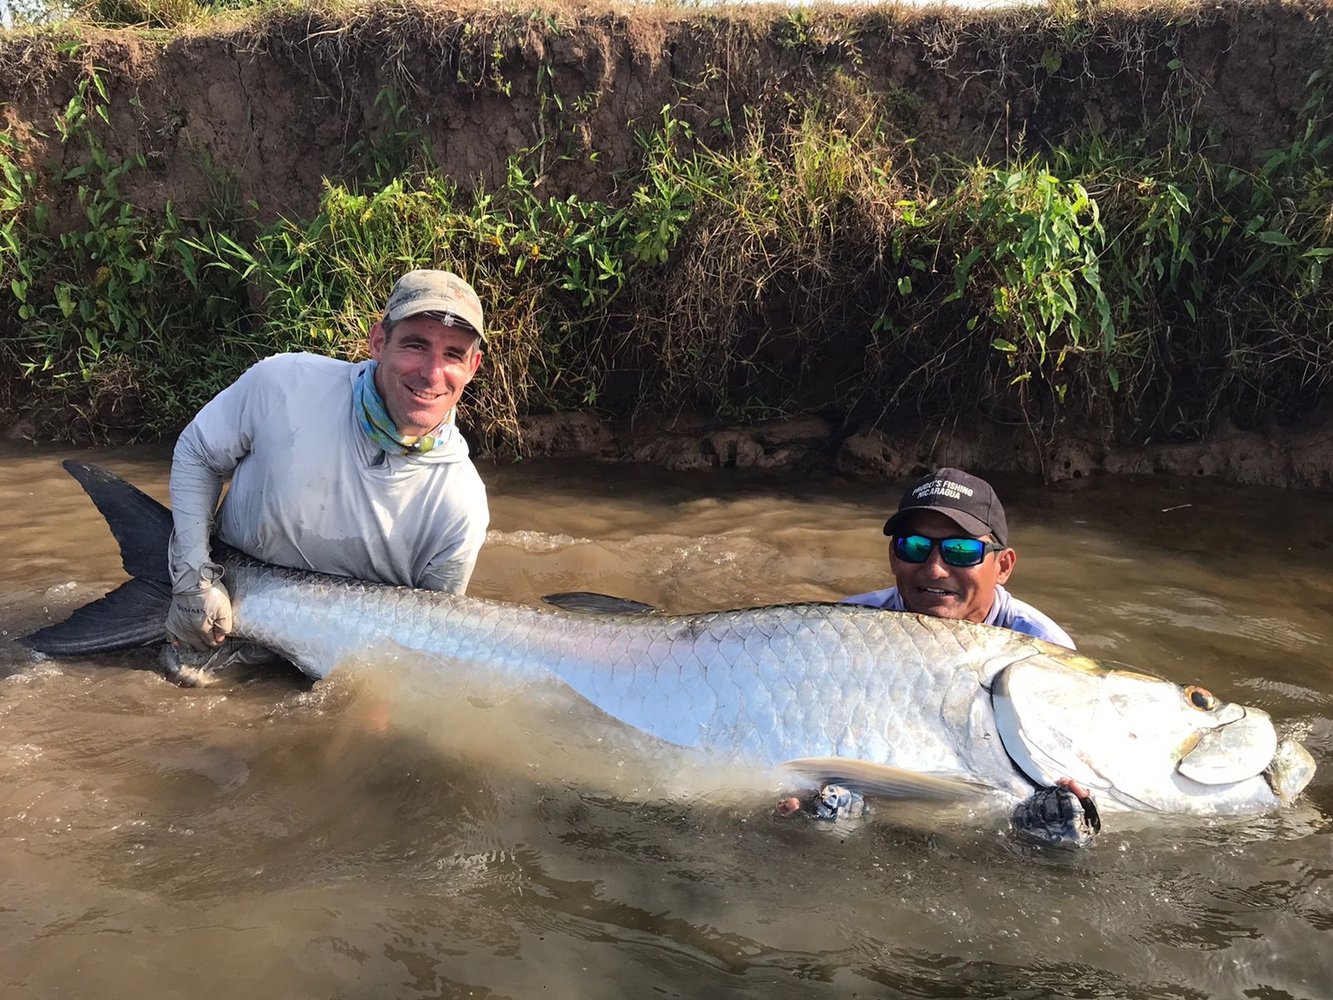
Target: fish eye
x: 1201, y: 698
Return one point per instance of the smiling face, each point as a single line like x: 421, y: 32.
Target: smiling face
x: 936, y: 588
x: 424, y: 367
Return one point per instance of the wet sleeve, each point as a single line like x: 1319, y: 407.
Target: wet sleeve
x: 206, y: 453
x: 451, y: 569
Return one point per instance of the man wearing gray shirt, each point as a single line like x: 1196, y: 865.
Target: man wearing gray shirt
x: 352, y: 469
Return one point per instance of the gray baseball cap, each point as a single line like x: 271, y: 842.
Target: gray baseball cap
x: 440, y: 292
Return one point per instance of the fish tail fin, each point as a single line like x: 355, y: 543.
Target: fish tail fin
x: 134, y: 614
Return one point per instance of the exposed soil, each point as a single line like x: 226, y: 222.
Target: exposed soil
x: 279, y: 105
x: 1300, y: 458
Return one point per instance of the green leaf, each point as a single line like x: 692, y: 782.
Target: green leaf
x: 1273, y: 237
x: 905, y: 285
x: 964, y: 268
x: 1174, y: 64
x: 1000, y: 344
x: 65, y: 300
x: 1070, y: 295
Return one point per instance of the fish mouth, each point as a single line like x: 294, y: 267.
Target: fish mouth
x: 1240, y: 746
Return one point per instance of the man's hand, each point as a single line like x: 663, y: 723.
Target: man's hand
x: 1064, y: 814
x: 830, y: 802
x: 200, y: 615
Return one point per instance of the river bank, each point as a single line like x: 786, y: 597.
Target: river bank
x: 1063, y: 238
x: 1292, y: 458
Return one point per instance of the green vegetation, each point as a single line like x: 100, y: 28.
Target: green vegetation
x: 815, y: 259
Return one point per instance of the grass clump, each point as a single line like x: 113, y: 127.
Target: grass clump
x: 760, y: 251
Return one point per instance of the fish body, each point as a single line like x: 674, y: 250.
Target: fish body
x: 989, y: 708
x: 762, y: 685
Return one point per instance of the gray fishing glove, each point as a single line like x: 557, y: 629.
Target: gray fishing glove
x: 200, y: 615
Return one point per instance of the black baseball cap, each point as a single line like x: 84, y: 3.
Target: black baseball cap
x: 964, y: 499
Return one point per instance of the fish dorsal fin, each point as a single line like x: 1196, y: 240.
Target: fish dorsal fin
x: 880, y: 780
x: 588, y: 602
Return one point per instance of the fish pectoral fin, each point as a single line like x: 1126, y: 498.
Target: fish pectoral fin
x: 882, y: 781
x: 590, y: 602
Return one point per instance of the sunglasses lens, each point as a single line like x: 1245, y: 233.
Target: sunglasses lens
x: 913, y: 548
x: 963, y: 551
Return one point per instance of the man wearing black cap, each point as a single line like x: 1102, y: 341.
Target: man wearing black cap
x: 950, y: 557
x: 356, y: 469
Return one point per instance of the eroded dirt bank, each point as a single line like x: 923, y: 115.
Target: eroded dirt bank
x: 250, y: 123
x: 282, y: 104
x: 1299, y: 458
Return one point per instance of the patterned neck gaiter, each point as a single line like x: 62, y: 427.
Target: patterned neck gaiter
x: 378, y: 425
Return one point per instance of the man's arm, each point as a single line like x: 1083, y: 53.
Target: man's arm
x: 196, y: 485
x: 450, y: 570
x: 206, y: 453
x: 200, y: 613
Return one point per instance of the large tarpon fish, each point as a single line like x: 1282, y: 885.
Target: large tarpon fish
x: 830, y: 686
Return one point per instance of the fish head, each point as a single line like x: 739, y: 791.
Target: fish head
x: 1141, y: 742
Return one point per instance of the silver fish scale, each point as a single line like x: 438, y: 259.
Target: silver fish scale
x: 764, y: 685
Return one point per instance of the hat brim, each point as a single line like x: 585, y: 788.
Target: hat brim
x: 419, y: 306
x: 974, y: 526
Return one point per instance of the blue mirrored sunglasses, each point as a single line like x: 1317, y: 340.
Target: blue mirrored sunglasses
x: 960, y: 552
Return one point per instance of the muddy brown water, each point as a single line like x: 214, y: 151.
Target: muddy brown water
x: 376, y: 838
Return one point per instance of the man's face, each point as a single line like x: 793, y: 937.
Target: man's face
x: 936, y: 588
x: 424, y: 366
